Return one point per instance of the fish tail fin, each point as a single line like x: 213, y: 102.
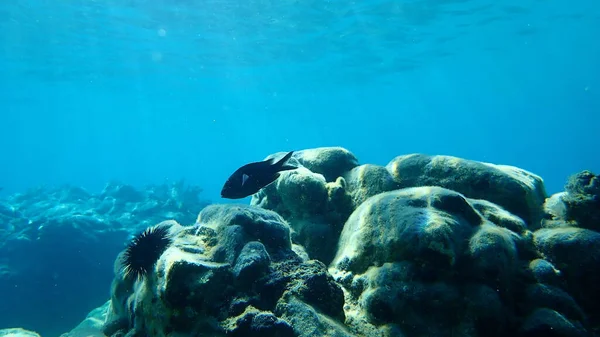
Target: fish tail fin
x: 280, y: 165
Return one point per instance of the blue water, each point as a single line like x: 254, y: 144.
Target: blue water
x: 143, y: 91
x: 147, y: 91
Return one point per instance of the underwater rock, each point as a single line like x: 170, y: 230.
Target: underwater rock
x: 58, y: 245
x: 540, y: 295
x: 499, y: 216
x: 570, y: 239
x: 225, y: 275
x: 17, y: 332
x: 425, y: 261
x: 92, y: 325
x: 309, y: 282
x: 368, y: 180
x: 404, y: 224
x: 261, y: 225
x: 399, y: 253
x: 254, y: 323
x: 316, y: 209
x: 252, y: 263
x: 520, y: 192
x: 425, y: 246
x: 313, y: 198
x: 305, y: 190
x: 330, y: 162
x: 582, y: 200
x: 549, y: 323
x: 577, y: 206
x: 555, y: 208
x: 576, y: 253
x: 544, y: 272
x: 305, y: 197
x: 310, y: 322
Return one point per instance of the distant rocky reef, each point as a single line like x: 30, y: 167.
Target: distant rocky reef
x: 58, y: 245
x: 424, y: 246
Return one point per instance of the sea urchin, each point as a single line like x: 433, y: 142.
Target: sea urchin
x: 144, y: 250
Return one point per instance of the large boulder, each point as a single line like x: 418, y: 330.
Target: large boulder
x: 329, y: 184
x: 570, y: 239
x: 518, y: 191
x: 576, y: 253
x: 578, y: 205
x: 425, y: 261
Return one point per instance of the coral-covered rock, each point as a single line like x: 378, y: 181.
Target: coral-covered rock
x: 539, y: 295
x: 368, y: 180
x: 570, y: 239
x: 331, y: 162
x: 17, y: 332
x: 93, y: 324
x: 544, y: 272
x: 518, y: 191
x: 305, y: 190
x: 550, y: 323
x: 426, y: 261
x: 578, y: 206
x: 425, y: 246
x: 252, y: 263
x: 304, y: 196
x: 310, y: 322
x: 582, y: 200
x: 576, y: 253
x: 242, y: 223
x: 555, y: 207
x: 254, y: 323
x: 224, y: 276
x: 499, y: 216
x: 404, y: 224
x: 399, y: 254
x: 316, y: 209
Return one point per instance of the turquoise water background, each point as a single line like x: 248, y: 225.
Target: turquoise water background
x: 148, y: 91
x: 143, y: 91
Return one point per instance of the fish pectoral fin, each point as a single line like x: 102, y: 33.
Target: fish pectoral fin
x: 273, y: 178
x: 244, y: 178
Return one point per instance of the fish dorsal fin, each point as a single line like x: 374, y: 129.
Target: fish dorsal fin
x: 283, y: 160
x: 244, y: 178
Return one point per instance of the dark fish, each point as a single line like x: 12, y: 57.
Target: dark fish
x: 250, y: 178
